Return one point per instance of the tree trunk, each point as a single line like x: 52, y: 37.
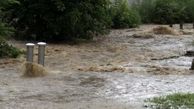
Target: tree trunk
x: 193, y: 25
x: 171, y: 25
x: 192, y: 66
x: 181, y: 26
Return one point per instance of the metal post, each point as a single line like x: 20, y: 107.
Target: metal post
x: 41, y: 52
x: 30, y: 52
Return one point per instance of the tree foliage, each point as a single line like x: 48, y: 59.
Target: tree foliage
x: 189, y: 10
x: 5, y: 30
x: 123, y: 16
x: 166, y: 11
x: 145, y: 9
x: 6, y: 50
x: 59, y: 19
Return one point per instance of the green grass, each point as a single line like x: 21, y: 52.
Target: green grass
x: 174, y: 101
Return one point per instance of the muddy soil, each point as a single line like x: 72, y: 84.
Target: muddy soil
x: 116, y: 71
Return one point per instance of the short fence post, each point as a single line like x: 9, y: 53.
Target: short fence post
x: 30, y: 52
x: 41, y: 53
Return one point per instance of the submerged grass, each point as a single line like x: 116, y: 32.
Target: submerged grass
x: 174, y: 101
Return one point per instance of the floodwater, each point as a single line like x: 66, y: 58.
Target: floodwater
x: 119, y: 72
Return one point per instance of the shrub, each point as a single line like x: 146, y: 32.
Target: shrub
x: 5, y: 30
x: 7, y: 50
x: 59, y: 19
x: 123, y: 16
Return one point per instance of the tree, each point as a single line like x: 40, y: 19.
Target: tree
x: 166, y: 12
x: 190, y: 12
x: 123, y: 16
x: 5, y: 30
x: 145, y: 9
x: 59, y: 19
x: 6, y: 50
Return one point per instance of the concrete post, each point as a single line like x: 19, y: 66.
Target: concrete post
x: 30, y: 52
x: 41, y: 53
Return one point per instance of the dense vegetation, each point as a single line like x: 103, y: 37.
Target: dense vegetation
x: 166, y: 11
x: 6, y: 50
x: 5, y: 30
x: 66, y: 20
x: 59, y: 19
x: 69, y: 19
x: 122, y: 16
x: 145, y: 9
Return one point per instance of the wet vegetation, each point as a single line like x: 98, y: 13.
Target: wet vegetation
x: 174, y: 101
x: 66, y: 20
x: 59, y: 19
x: 123, y: 16
x: 6, y: 50
x: 165, y: 11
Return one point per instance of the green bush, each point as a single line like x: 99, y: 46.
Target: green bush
x: 123, y: 16
x: 59, y: 19
x: 8, y: 51
x: 5, y: 30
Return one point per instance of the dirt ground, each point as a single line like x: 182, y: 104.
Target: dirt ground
x: 115, y: 71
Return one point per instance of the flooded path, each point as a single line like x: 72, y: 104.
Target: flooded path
x: 89, y: 90
x: 119, y: 72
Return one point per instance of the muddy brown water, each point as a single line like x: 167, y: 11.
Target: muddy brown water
x: 151, y: 67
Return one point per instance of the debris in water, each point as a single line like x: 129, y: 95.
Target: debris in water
x: 93, y: 80
x: 102, y: 68
x: 161, y: 70
x: 164, y: 30
x: 187, y: 32
x: 143, y: 35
